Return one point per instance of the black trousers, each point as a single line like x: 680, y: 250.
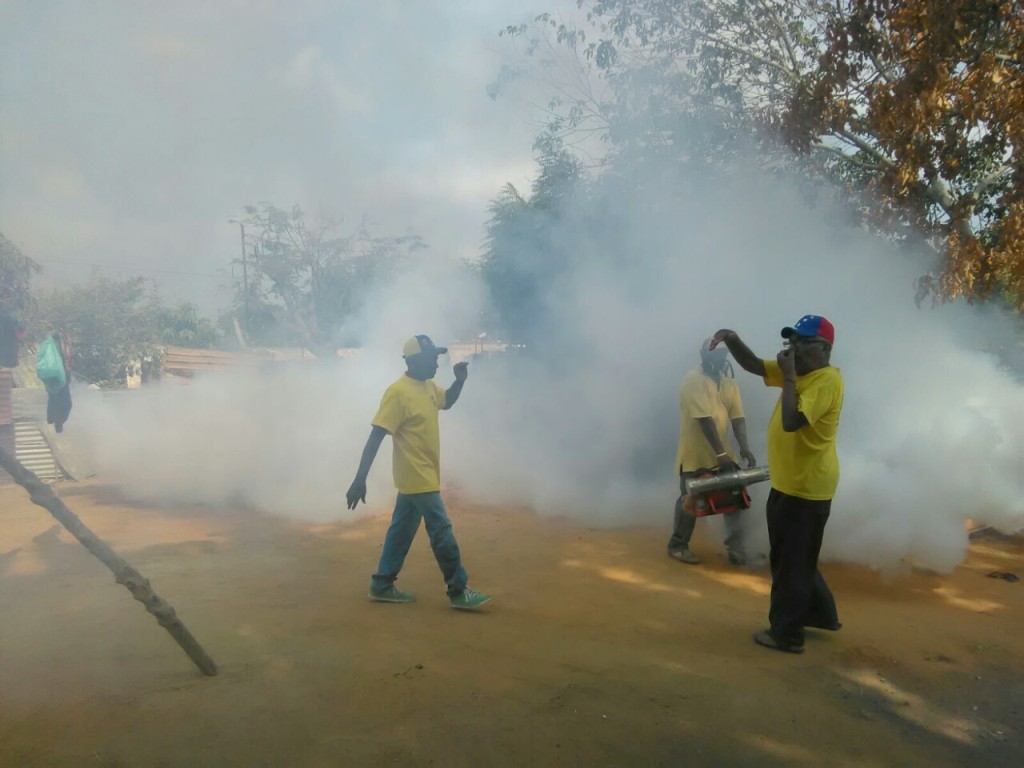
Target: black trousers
x: 7, y: 443
x: 58, y: 407
x: 800, y: 596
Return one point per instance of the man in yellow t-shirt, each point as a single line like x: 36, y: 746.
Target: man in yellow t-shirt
x: 804, y: 474
x: 408, y: 412
x: 709, y: 401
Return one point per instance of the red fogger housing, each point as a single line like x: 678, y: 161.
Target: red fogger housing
x: 716, y: 502
x: 716, y: 493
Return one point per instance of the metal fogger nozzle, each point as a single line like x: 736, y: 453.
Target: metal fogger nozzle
x: 725, y: 481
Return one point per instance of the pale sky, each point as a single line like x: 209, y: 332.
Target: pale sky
x: 130, y: 132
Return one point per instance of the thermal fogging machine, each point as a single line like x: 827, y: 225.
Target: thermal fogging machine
x: 717, y: 493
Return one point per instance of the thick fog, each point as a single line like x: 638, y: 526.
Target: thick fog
x: 131, y: 132
x: 132, y: 135
x: 931, y: 433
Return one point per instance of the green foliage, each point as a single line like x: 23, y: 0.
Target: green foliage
x: 306, y: 279
x: 112, y: 322
x: 689, y: 81
x: 182, y: 326
x: 523, y: 254
x: 906, y: 110
x: 16, y: 271
x: 103, y: 320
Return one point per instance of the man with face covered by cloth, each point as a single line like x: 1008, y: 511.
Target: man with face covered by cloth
x: 709, y: 400
x: 804, y: 474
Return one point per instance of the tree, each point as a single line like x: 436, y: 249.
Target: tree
x: 512, y: 289
x: 693, y: 79
x: 16, y: 272
x: 111, y: 322
x: 912, y: 106
x: 104, y: 320
x: 307, y: 279
x: 523, y: 255
x: 932, y: 90
x: 182, y: 326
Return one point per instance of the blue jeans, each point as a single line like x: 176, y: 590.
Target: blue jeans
x: 405, y: 521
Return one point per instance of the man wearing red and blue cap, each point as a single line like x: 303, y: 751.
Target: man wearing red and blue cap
x: 408, y: 412
x: 804, y: 470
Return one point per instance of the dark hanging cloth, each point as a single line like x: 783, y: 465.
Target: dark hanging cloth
x: 8, y: 341
x: 58, y: 407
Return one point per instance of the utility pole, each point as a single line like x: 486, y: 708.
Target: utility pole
x: 245, y: 278
x: 245, y: 273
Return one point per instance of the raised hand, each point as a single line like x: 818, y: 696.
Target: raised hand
x: 721, y: 337
x: 787, y: 362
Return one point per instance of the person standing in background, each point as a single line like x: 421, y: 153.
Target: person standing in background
x: 709, y: 400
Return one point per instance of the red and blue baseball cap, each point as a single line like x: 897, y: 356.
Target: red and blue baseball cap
x: 422, y: 345
x: 811, y: 326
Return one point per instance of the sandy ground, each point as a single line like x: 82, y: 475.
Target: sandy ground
x: 597, y: 650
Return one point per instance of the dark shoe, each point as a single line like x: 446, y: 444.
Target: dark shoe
x: 829, y: 627
x: 765, y: 638
x: 737, y: 558
x: 684, y: 556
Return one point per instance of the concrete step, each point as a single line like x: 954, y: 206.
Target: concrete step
x: 32, y: 450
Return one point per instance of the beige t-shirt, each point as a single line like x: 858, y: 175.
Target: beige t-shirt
x: 700, y: 397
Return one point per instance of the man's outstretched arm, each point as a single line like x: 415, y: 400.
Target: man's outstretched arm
x: 357, y: 491
x: 747, y: 360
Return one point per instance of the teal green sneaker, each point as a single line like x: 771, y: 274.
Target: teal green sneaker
x: 469, y: 599
x: 391, y: 595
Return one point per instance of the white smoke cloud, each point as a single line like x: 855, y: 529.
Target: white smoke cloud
x: 931, y: 433
x: 285, y: 438
x: 131, y: 132
x: 130, y: 147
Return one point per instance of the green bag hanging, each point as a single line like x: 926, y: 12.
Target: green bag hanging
x: 49, y: 366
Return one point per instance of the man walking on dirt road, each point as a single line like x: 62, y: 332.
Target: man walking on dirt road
x: 408, y: 412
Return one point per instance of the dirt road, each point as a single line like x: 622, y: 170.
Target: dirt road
x: 597, y: 650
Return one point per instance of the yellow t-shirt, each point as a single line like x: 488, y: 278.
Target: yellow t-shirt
x: 408, y: 411
x: 700, y: 397
x: 804, y: 463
